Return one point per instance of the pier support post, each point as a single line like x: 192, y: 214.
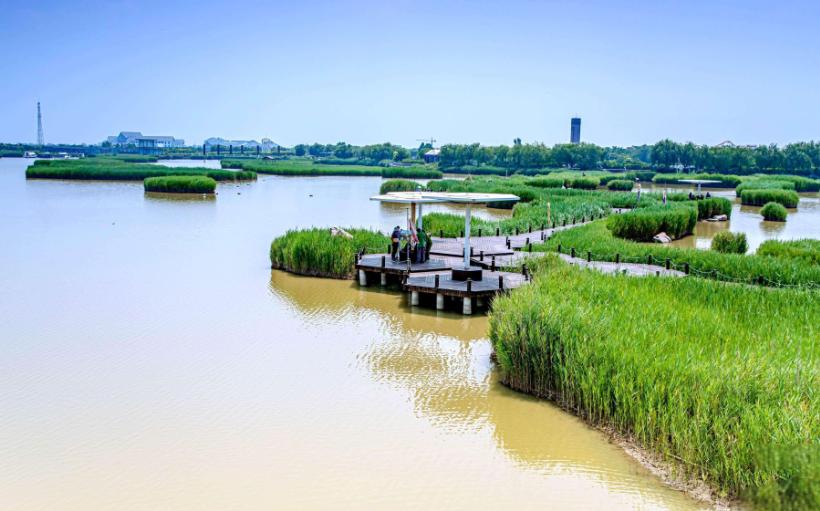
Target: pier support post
x: 414, y: 298
x: 384, y: 279
x: 439, y: 301
x: 467, y: 308
x: 362, y: 278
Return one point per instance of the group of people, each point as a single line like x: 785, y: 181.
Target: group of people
x: 418, y: 250
x: 692, y: 196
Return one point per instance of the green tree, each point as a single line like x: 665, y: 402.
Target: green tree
x: 300, y: 149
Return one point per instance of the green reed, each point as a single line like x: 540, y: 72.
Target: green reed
x: 730, y: 242
x: 697, y: 372
x: 398, y: 185
x: 620, y: 185
x: 774, y: 212
x: 785, y: 198
x: 317, y: 252
x: 180, y: 184
x: 114, y: 169
x: 807, y: 250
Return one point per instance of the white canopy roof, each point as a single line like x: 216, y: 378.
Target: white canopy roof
x: 444, y: 197
x: 697, y: 181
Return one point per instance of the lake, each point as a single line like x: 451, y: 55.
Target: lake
x: 152, y: 360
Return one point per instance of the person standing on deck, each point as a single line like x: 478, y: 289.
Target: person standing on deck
x: 395, y: 239
x: 428, y: 246
x: 421, y: 246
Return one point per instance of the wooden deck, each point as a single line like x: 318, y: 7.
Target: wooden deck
x: 373, y: 263
x: 491, y: 284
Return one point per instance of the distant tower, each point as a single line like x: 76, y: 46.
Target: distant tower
x: 41, y: 140
x: 575, y: 131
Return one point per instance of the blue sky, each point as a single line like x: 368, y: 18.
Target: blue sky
x: 368, y: 71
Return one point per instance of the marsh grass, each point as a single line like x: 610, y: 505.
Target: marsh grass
x: 803, y: 249
x: 114, y: 169
x: 316, y: 252
x: 699, y: 373
x: 730, y: 243
x: 180, y: 184
x: 398, y: 185
x: 675, y: 219
x: 785, y: 198
x: 774, y: 212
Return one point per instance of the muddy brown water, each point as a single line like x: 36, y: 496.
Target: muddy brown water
x: 151, y: 360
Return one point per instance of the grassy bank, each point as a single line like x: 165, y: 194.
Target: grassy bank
x: 597, y: 239
x: 180, y: 184
x: 807, y: 250
x: 304, y: 167
x: 115, y: 169
x: 774, y: 212
x: 697, y: 372
x: 316, y: 252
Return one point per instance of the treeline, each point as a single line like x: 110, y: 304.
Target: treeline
x: 801, y: 158
x: 369, y: 154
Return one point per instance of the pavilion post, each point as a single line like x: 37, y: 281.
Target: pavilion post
x: 420, y: 214
x: 467, y: 238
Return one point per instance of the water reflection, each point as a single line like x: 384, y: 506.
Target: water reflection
x: 180, y: 197
x: 441, y: 363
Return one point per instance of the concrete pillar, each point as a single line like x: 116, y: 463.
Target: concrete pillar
x: 468, y: 306
x: 439, y: 301
x: 479, y: 302
x: 384, y: 279
x: 414, y: 298
x: 362, y: 278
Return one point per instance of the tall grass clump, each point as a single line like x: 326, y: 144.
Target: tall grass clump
x: 584, y: 183
x: 785, y: 198
x: 620, y: 185
x: 299, y: 167
x: 723, y: 181
x: 596, y: 238
x: 803, y: 249
x: 398, y: 185
x: 698, y: 373
x: 730, y: 243
x: 801, y: 184
x: 707, y: 208
x: 317, y: 252
x: 546, y: 182
x: 763, y: 184
x: 773, y: 212
x: 675, y: 219
x: 180, y: 184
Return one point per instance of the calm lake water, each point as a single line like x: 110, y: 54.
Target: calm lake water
x: 151, y: 360
x: 802, y: 222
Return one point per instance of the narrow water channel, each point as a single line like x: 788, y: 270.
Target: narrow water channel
x: 151, y: 360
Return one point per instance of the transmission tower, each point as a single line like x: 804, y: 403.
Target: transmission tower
x: 41, y: 140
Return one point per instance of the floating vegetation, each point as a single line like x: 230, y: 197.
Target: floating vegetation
x: 774, y: 212
x: 180, y: 184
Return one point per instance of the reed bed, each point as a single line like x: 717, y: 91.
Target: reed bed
x: 596, y: 238
x: 317, y: 252
x: 785, y: 198
x: 707, y: 208
x: 803, y: 249
x: 701, y: 374
x: 398, y: 185
x: 675, y: 219
x: 764, y: 184
x: 773, y: 212
x: 621, y: 185
x: 724, y: 181
x: 583, y: 183
x: 730, y: 243
x: 180, y: 184
x: 112, y: 169
x: 132, y: 158
x: 309, y: 168
x: 801, y: 184
x: 414, y: 172
x: 546, y: 182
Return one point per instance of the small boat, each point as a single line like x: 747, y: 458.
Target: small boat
x: 30, y: 154
x: 62, y: 156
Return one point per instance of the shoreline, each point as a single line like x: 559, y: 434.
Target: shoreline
x: 695, y: 489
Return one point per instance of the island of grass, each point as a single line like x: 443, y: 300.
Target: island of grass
x: 116, y: 169
x: 773, y: 212
x: 317, y: 252
x: 759, y: 197
x: 398, y: 185
x: 305, y: 167
x: 180, y: 184
x: 696, y: 373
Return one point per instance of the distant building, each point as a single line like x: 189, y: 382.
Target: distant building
x: 155, y: 145
x: 126, y: 138
x: 575, y: 131
x: 432, y: 156
x: 267, y: 145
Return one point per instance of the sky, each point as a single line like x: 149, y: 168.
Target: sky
x: 366, y: 72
